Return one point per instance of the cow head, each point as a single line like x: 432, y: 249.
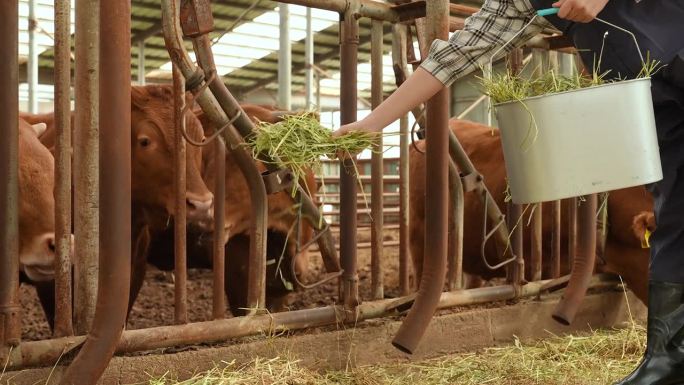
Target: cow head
x: 152, y: 135
x: 36, y: 204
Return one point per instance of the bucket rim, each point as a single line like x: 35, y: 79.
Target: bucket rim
x: 574, y: 91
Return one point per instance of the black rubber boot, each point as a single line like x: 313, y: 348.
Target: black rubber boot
x: 663, y: 362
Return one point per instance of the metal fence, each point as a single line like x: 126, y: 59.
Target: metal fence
x: 103, y: 239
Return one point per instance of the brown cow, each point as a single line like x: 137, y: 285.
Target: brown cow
x: 281, y: 220
x: 623, y: 254
x: 152, y: 176
x: 36, y: 205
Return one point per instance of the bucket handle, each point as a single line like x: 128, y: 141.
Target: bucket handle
x: 553, y: 11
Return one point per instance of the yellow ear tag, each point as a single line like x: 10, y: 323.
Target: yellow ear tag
x: 644, y: 242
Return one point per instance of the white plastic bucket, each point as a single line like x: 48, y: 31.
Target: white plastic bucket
x: 590, y: 140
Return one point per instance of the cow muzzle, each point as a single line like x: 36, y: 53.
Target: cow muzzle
x: 199, y: 209
x: 38, y: 260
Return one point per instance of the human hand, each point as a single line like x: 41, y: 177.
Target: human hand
x: 349, y: 128
x: 581, y: 11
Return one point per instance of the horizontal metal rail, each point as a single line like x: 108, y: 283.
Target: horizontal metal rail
x: 47, y: 352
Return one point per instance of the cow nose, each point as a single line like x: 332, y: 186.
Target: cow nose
x: 51, y: 244
x: 195, y: 204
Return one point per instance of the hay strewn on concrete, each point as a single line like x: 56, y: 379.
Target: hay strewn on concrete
x: 594, y: 359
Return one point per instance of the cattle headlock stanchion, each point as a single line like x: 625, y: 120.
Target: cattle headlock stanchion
x: 10, y: 326
x: 222, y: 99
x: 115, y: 197
x: 198, y: 24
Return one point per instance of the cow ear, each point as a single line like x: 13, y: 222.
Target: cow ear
x: 39, y: 128
x: 139, y: 97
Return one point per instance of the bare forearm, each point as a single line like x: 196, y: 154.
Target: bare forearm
x: 418, y: 88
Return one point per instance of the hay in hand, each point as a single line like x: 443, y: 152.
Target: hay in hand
x: 299, y: 143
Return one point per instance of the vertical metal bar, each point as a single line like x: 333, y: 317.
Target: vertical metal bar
x: 141, y: 62
x: 85, y: 163
x: 115, y: 197
x: 514, y: 220
x: 285, y: 59
x: 400, y: 65
x: 219, y: 254
x: 404, y: 263
x: 349, y: 44
x: 63, y: 309
x: 557, y: 227
x: 309, y: 61
x: 573, y: 204
x: 436, y: 200
x: 32, y: 63
x: 516, y: 270
x: 377, y: 172
x: 317, y: 78
x: 455, y: 256
x: 536, y: 242
x: 179, y: 223
x: 10, y: 323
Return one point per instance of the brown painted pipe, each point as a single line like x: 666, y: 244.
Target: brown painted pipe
x: 10, y: 323
x: 115, y: 197
x: 436, y: 200
x: 583, y: 265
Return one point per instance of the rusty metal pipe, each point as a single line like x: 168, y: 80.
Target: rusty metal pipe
x: 367, y: 8
x: 436, y: 200
x: 516, y: 270
x: 349, y: 44
x: 536, y: 242
x: 180, y: 187
x: 63, y: 303
x: 219, y: 253
x: 572, y: 229
x: 85, y: 166
x: 115, y: 197
x: 377, y: 188
x: 455, y: 258
x: 47, y: 352
x: 556, y: 256
x: 583, y: 265
x: 245, y: 127
x: 10, y: 323
x: 400, y: 64
x: 209, y: 104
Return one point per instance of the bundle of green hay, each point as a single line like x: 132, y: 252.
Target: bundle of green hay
x: 300, y: 142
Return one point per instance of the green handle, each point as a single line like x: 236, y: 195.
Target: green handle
x: 547, y: 12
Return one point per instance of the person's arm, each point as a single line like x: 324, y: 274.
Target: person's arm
x: 467, y: 50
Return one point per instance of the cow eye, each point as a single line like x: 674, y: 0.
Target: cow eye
x: 144, y: 141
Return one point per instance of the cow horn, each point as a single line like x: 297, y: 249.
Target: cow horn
x: 39, y: 128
